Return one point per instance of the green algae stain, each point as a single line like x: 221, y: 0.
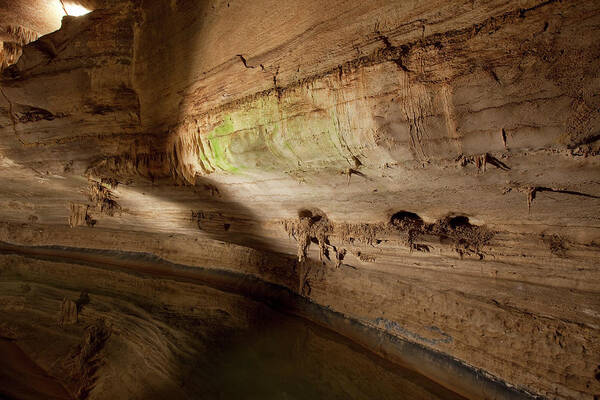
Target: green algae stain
x: 219, y: 141
x: 263, y: 136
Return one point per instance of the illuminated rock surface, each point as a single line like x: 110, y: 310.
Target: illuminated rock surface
x: 420, y: 171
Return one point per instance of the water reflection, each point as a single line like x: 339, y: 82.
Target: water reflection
x: 289, y: 358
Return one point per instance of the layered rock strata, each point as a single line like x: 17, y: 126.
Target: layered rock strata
x: 427, y: 169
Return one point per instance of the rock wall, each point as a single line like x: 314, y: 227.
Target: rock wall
x: 427, y: 168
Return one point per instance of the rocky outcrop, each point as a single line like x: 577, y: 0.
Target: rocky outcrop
x: 426, y: 169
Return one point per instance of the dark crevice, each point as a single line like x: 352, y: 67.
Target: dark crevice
x: 244, y: 61
x: 406, y: 219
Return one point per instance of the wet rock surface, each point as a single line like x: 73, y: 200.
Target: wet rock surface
x: 428, y: 169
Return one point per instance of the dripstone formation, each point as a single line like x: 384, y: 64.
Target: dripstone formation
x: 420, y: 177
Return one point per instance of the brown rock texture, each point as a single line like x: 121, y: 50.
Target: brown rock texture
x: 427, y: 170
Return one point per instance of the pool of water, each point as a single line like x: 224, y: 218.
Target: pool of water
x: 290, y: 358
x: 286, y: 358
x: 185, y: 340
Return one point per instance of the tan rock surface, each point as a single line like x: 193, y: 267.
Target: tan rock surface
x: 427, y: 169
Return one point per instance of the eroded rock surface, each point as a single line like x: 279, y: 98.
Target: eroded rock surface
x: 427, y: 169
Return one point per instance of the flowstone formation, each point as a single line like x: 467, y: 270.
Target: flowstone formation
x: 419, y: 177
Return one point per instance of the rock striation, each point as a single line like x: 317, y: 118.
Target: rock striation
x: 424, y: 170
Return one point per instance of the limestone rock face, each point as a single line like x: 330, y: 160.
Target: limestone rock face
x: 426, y: 169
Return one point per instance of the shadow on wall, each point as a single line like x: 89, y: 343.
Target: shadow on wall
x: 166, y: 55
x: 171, y: 38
